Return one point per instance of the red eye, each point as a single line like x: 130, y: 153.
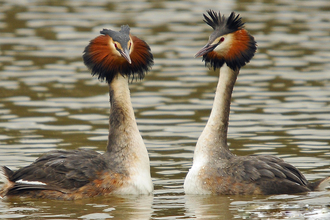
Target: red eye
x: 222, y: 39
x: 116, y: 46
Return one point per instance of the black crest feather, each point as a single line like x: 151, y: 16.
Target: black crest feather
x: 121, y: 36
x: 225, y: 25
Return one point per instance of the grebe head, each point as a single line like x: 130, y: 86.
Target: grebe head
x: 118, y: 52
x: 229, y: 43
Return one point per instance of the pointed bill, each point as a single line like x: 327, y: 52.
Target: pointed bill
x: 125, y: 54
x: 206, y: 49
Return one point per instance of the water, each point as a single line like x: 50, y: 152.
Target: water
x: 280, y: 105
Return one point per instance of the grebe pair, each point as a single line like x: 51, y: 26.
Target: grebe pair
x: 124, y: 167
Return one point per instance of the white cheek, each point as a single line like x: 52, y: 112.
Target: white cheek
x: 132, y: 47
x: 113, y: 49
x: 224, y: 46
x: 117, y: 53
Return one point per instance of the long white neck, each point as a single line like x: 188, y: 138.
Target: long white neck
x: 122, y: 118
x: 212, y: 144
x: 126, y: 151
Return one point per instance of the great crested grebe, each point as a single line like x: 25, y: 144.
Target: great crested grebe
x: 215, y: 169
x: 124, y: 167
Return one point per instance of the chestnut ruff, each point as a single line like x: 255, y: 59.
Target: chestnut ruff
x: 99, y: 58
x: 243, y: 47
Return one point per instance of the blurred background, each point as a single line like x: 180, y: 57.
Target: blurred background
x: 280, y: 105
